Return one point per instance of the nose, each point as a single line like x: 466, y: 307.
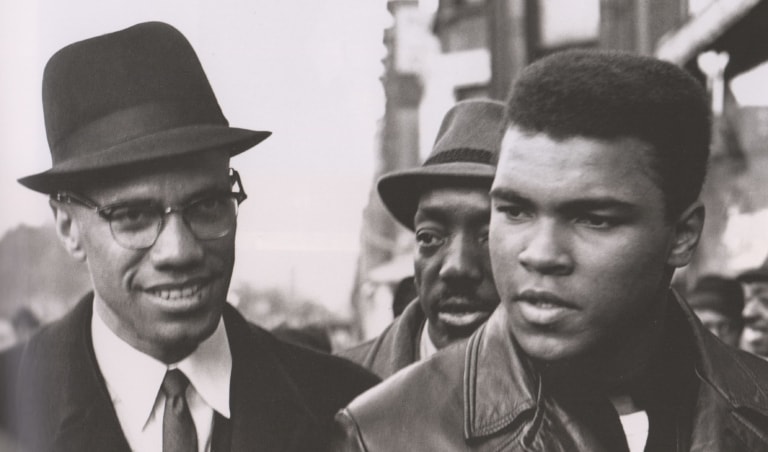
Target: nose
x: 753, y: 308
x: 176, y: 246
x: 462, y: 258
x: 544, y: 250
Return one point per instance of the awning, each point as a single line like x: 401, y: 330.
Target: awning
x: 682, y: 45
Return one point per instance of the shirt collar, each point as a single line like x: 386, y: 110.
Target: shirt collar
x: 209, y: 369
x: 134, y: 378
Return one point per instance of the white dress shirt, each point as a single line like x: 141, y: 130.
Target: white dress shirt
x: 134, y: 378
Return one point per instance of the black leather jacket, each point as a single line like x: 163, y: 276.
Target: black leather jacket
x: 483, y: 395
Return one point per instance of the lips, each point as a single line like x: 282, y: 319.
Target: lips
x: 756, y: 324
x: 462, y: 311
x: 179, y: 296
x: 181, y: 292
x: 543, y: 308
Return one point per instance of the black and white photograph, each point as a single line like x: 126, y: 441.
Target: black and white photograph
x: 384, y: 225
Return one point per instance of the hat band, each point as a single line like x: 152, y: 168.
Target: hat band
x: 127, y: 124
x: 461, y: 155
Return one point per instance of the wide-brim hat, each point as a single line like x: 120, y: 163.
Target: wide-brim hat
x: 131, y: 97
x: 719, y: 294
x: 759, y: 274
x: 464, y: 154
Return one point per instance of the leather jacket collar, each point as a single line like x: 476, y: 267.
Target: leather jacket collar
x: 495, y: 366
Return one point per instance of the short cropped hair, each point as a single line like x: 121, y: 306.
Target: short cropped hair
x: 609, y: 95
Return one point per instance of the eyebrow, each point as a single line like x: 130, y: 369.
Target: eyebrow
x: 441, y: 214
x: 147, y: 199
x: 582, y: 204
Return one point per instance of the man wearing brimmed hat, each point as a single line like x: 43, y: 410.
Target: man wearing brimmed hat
x: 445, y: 202
x: 754, y: 337
x: 142, y: 191
x: 718, y: 302
x: 593, y: 206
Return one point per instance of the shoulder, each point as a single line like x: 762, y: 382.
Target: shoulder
x: 421, y: 407
x: 425, y: 393
x: 55, y: 343
x: 324, y: 383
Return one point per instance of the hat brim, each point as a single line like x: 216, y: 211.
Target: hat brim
x: 400, y: 191
x: 754, y: 275
x: 159, y: 146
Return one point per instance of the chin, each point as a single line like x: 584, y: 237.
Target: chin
x: 548, y: 349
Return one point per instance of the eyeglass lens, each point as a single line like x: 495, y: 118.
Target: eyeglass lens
x: 138, y: 226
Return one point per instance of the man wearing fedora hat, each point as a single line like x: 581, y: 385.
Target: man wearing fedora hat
x: 445, y: 202
x: 718, y: 302
x: 142, y: 191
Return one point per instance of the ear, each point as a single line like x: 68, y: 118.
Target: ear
x: 688, y: 227
x: 68, y: 230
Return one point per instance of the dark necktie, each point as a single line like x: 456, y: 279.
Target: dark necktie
x: 179, y: 433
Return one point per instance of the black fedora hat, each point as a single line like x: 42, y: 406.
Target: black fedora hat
x: 131, y: 97
x: 465, y: 153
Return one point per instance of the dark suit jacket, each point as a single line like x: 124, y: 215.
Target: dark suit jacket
x: 396, y: 347
x: 282, y: 397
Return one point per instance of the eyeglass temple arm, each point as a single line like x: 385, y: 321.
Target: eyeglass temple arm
x: 234, y: 177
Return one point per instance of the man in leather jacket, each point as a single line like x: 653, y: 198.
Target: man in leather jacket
x: 594, y: 204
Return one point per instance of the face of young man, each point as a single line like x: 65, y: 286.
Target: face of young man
x: 754, y: 338
x: 163, y: 300
x: 452, y: 267
x: 579, y: 242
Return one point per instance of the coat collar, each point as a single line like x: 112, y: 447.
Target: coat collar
x: 267, y: 409
x: 396, y: 347
x: 86, y: 420
x: 499, y: 382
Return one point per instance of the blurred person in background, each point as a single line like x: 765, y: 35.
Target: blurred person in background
x: 718, y: 302
x: 754, y: 337
x: 25, y: 323
x: 445, y: 202
x: 154, y: 358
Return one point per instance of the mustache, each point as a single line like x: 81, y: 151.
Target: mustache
x: 541, y: 297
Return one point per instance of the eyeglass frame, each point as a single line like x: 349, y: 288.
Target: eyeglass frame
x: 68, y: 197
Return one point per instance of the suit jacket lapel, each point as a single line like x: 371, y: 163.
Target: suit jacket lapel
x: 65, y: 370
x: 267, y: 411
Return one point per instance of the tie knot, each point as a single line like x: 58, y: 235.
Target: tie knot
x: 175, y: 383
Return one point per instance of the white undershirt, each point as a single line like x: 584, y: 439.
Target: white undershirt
x: 636, y: 430
x: 634, y: 422
x: 134, y: 378
x: 427, y: 348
